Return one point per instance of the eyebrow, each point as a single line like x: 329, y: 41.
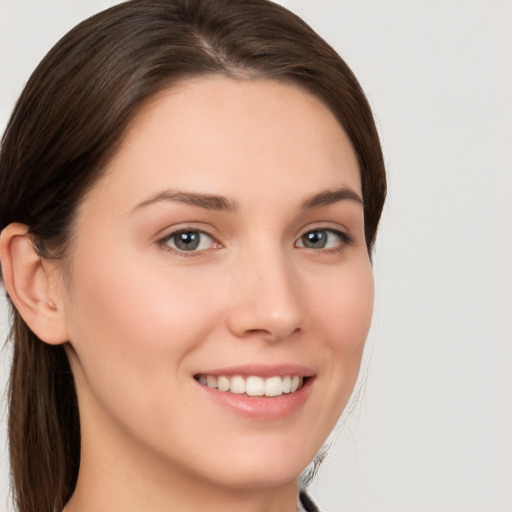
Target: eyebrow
x: 206, y: 201
x: 222, y: 203
x: 328, y: 197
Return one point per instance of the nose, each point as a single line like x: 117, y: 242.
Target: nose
x: 265, y: 300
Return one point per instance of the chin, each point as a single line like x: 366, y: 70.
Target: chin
x: 261, y: 467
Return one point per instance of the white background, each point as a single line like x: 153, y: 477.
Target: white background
x: 433, y: 431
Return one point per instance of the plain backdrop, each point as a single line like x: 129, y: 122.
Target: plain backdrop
x: 433, y: 430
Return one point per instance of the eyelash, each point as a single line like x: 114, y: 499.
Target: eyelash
x: 345, y: 239
x: 164, y: 242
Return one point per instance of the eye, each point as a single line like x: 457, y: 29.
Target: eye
x: 323, y: 239
x: 188, y: 240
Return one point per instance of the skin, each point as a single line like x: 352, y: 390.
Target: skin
x: 142, y: 318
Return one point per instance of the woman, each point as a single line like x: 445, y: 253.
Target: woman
x: 190, y: 193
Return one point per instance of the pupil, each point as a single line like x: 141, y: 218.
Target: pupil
x: 187, y: 241
x: 315, y: 239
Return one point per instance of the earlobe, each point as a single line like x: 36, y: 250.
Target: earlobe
x: 29, y: 285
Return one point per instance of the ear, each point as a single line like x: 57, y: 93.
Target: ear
x: 32, y: 285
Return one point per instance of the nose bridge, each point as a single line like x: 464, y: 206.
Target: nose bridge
x: 266, y: 299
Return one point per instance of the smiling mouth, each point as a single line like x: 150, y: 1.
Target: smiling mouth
x: 253, y: 385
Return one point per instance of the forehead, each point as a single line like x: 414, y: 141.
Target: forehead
x: 235, y: 137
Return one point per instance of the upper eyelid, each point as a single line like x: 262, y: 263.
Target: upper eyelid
x: 326, y: 226
x: 339, y: 232
x: 322, y: 227
x: 170, y: 231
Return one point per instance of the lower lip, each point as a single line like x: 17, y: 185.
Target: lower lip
x: 262, y: 407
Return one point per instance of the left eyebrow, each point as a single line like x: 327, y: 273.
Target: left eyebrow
x: 332, y: 196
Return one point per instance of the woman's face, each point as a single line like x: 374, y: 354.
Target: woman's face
x: 224, y: 246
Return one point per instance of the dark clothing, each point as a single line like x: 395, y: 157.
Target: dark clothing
x: 305, y: 504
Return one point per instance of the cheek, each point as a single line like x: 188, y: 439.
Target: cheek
x: 133, y: 302
x: 346, y: 308
x: 345, y: 312
x: 131, y: 329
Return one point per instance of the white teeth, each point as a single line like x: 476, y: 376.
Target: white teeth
x: 287, y: 384
x: 237, y: 385
x: 274, y: 386
x: 253, y: 385
x: 223, y: 383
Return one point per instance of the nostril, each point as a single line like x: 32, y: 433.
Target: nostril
x: 273, y: 334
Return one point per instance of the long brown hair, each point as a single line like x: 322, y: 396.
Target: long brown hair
x: 68, y: 122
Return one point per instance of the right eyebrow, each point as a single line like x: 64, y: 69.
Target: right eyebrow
x: 206, y: 201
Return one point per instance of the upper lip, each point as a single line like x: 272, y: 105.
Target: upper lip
x: 262, y: 370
